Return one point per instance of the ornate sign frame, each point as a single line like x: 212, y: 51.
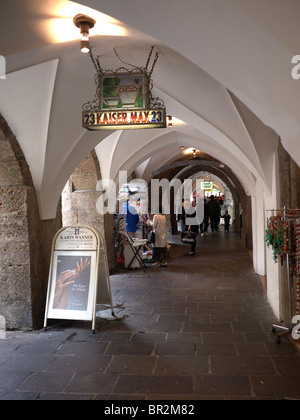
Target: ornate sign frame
x: 124, y: 99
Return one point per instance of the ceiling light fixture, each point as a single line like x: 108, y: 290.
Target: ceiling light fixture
x: 84, y: 23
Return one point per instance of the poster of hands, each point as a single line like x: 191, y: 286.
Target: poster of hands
x: 72, y: 285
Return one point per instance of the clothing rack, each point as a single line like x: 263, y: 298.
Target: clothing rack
x: 288, y: 224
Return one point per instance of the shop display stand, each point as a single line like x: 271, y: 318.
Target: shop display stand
x: 136, y: 245
x: 286, y: 330
x: 288, y: 217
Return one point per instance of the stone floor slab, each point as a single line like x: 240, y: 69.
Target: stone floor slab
x: 196, y: 330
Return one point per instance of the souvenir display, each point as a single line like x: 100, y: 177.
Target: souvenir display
x: 275, y: 236
x: 283, y: 236
x: 298, y: 267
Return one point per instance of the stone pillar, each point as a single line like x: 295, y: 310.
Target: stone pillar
x: 25, y: 245
x: 79, y: 200
x: 15, y: 264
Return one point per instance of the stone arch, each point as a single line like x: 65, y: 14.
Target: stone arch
x: 242, y: 200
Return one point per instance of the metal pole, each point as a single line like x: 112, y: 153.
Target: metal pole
x: 289, y: 284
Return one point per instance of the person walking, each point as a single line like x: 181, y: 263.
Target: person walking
x: 161, y: 244
x: 181, y: 217
x: 227, y: 219
x: 205, y: 223
x: 193, y: 227
x: 214, y: 213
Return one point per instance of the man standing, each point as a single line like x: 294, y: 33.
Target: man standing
x: 214, y: 213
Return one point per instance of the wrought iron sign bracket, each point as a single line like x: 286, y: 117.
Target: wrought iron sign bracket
x: 124, y: 99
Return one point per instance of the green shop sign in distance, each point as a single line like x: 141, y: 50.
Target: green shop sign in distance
x: 125, y: 119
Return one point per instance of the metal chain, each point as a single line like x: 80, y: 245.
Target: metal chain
x: 96, y: 62
x: 149, y: 58
x: 154, y: 64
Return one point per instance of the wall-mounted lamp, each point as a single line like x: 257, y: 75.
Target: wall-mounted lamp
x: 84, y: 23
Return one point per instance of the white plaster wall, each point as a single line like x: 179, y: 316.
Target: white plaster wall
x: 258, y: 229
x: 272, y: 202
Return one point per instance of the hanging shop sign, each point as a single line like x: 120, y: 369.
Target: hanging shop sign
x: 124, y: 100
x: 206, y: 185
x: 122, y: 120
x: 78, y: 276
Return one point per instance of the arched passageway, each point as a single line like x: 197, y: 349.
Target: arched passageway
x: 185, y: 169
x: 220, y: 94
x: 199, y: 328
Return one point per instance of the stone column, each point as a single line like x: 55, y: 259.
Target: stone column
x: 25, y: 244
x: 79, y: 200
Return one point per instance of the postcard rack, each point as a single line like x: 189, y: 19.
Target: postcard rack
x: 283, y: 234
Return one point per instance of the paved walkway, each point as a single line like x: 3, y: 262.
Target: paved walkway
x: 197, y: 330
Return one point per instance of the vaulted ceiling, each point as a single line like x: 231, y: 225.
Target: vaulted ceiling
x: 224, y: 72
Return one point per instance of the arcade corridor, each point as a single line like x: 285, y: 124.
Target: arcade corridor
x: 197, y: 330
